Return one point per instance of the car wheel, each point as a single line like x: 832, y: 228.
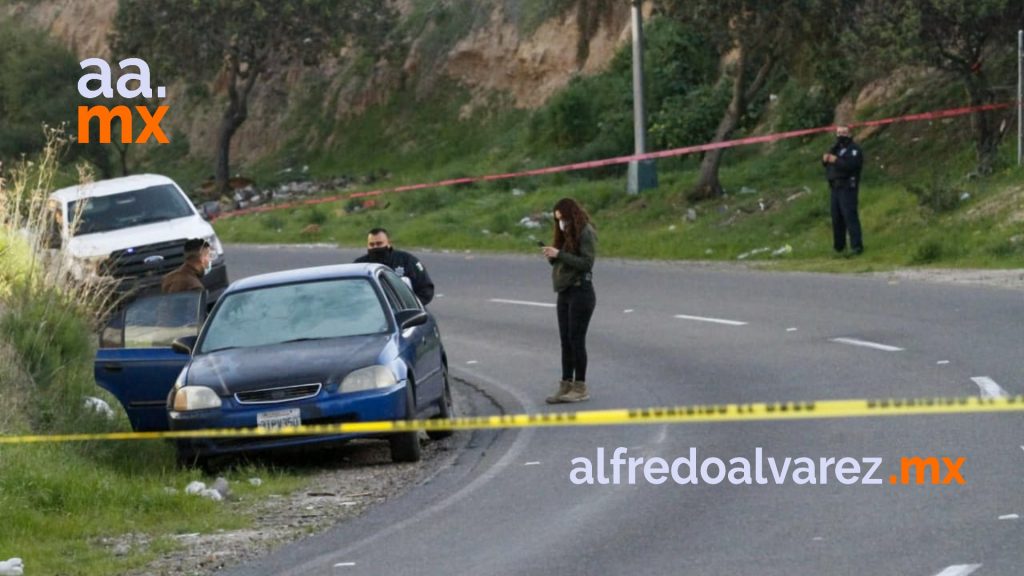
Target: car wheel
x: 447, y: 409
x: 405, y: 446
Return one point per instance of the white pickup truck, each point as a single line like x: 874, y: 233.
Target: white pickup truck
x: 132, y: 228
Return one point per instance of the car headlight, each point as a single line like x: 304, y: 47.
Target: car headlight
x: 368, y: 378
x: 214, y: 243
x: 189, y: 398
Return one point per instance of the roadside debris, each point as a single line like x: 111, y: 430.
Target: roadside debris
x: 753, y: 252
x: 99, y: 406
x: 529, y: 222
x: 787, y: 249
x: 218, y: 492
x: 12, y: 567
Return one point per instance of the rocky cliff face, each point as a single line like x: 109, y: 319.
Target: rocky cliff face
x: 491, y: 54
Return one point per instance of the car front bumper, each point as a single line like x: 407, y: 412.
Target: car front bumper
x: 325, y: 408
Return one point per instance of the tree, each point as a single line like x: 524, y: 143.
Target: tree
x: 37, y: 88
x: 951, y: 35
x: 758, y: 37
x: 240, y: 40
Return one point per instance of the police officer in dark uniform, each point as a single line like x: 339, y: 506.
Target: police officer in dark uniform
x: 843, y: 163
x: 380, y: 251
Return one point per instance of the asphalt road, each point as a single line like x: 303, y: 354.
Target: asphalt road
x: 508, y: 506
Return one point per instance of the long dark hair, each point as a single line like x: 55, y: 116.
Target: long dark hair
x: 576, y: 219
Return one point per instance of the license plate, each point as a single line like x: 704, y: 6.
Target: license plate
x: 278, y: 419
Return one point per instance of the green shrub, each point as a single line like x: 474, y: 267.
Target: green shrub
x: 927, y: 252
x: 939, y: 196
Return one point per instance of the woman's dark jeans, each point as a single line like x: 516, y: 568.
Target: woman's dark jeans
x: 575, y: 307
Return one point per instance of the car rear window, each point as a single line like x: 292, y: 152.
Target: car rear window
x: 314, y: 311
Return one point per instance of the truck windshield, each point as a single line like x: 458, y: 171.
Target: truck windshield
x: 127, y: 209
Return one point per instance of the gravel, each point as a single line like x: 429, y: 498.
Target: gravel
x: 359, y: 475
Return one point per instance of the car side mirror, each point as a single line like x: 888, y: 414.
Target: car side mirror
x: 411, y: 318
x: 184, y: 345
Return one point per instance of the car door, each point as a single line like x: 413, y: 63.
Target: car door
x: 137, y: 364
x: 425, y: 341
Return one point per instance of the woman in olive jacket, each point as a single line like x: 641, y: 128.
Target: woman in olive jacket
x: 572, y: 262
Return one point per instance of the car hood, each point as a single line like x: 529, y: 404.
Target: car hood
x: 103, y: 243
x: 259, y: 367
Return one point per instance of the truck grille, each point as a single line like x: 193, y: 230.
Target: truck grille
x: 150, y: 260
x: 283, y: 394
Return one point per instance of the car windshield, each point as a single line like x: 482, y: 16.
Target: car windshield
x: 127, y: 209
x: 311, y: 311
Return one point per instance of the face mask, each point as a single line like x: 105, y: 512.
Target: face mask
x: 561, y: 225
x: 379, y: 255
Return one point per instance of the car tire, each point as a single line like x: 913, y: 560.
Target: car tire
x: 446, y: 409
x: 405, y: 446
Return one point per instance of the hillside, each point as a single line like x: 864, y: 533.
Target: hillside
x: 460, y: 88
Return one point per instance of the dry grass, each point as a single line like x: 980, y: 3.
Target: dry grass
x: 50, y: 310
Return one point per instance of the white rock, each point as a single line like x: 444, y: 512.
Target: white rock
x: 195, y: 487
x: 211, y: 494
x: 517, y: 192
x: 255, y: 481
x: 99, y: 406
x: 12, y: 567
x: 222, y: 487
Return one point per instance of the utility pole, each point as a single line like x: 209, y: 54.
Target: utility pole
x: 642, y: 174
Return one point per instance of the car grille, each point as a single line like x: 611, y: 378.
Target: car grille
x: 149, y: 260
x: 282, y: 394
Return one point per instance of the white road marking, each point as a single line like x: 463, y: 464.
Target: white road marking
x: 943, y: 362
x: 959, y: 570
x: 523, y: 303
x: 711, y: 320
x: 534, y: 463
x: 817, y: 538
x: 344, y: 564
x: 1009, y: 517
x: 471, y: 362
x: 790, y: 329
x: 866, y: 344
x: 627, y: 311
x: 989, y: 388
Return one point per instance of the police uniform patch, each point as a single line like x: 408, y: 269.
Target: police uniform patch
x: 419, y: 266
x: 400, y: 270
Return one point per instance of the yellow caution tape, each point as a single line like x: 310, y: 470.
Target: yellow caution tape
x: 799, y: 410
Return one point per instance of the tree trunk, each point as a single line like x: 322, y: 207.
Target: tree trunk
x: 122, y: 156
x: 708, y: 186
x: 985, y: 124
x: 234, y: 116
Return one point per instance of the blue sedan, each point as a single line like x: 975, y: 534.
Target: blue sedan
x: 327, y: 345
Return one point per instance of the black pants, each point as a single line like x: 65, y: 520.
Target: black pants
x: 844, y: 217
x: 575, y: 307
